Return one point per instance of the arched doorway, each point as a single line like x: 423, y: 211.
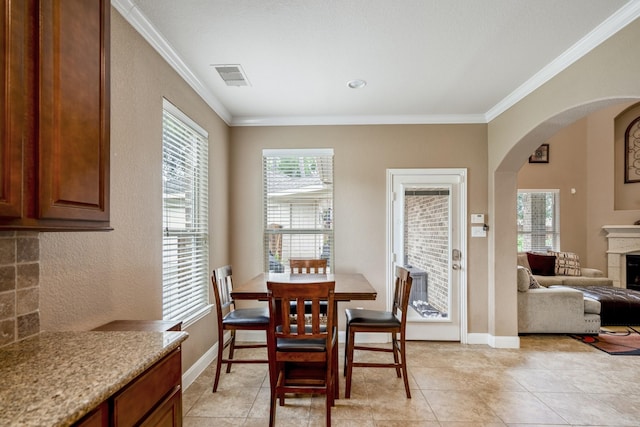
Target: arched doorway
x: 503, y: 190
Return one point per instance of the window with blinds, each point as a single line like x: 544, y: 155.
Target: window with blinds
x: 185, y: 252
x: 538, y: 220
x: 298, y: 206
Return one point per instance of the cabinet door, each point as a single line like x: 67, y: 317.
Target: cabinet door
x: 168, y: 414
x: 73, y: 136
x: 12, y: 105
x: 99, y: 417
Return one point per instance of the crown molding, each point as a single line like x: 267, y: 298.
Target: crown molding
x: 140, y: 23
x: 616, y: 22
x: 598, y: 35
x: 412, y: 119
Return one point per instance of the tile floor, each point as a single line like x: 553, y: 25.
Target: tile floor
x: 549, y: 381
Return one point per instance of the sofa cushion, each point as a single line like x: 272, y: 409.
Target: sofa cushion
x: 591, y: 306
x: 586, y: 281
x: 523, y: 261
x: 543, y: 265
x: 547, y: 281
x: 567, y: 263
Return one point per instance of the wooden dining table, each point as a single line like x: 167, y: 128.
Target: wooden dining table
x: 348, y: 287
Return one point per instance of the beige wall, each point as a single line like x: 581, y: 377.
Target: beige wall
x: 604, y: 77
x: 584, y: 156
x: 362, y: 156
x: 88, y: 279
x: 566, y: 170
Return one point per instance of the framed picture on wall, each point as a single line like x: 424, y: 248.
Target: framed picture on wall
x: 541, y: 155
x: 632, y: 152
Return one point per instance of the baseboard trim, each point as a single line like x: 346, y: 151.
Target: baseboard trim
x: 504, y: 342
x: 198, y: 368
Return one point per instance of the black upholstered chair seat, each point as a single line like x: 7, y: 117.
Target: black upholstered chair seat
x: 247, y: 316
x: 310, y: 345
x: 371, y: 318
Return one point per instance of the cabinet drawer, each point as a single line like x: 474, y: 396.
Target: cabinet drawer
x: 139, y: 397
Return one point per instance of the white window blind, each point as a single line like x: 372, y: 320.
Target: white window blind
x: 298, y: 206
x: 185, y: 252
x: 538, y: 220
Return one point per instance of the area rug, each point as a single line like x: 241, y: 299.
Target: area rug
x: 621, y: 341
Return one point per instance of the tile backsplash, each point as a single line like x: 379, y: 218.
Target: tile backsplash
x: 19, y: 285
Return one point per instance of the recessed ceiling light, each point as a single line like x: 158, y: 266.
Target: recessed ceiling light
x: 356, y: 84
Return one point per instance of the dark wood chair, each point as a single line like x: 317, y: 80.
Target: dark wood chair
x: 232, y: 320
x: 370, y: 321
x: 308, y: 266
x: 301, y: 353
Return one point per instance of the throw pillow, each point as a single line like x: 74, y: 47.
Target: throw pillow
x: 526, y: 280
x: 567, y: 263
x: 533, y: 282
x: 543, y: 265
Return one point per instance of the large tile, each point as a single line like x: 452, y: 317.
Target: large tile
x: 521, y: 407
x: 460, y: 406
x: 587, y: 409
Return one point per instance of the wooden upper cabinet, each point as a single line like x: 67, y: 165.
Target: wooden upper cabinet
x: 62, y: 123
x: 12, y: 106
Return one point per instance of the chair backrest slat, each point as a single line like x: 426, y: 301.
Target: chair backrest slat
x: 308, y: 266
x: 222, y: 282
x: 402, y: 292
x: 306, y: 327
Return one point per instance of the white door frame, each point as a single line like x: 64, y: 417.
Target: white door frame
x: 462, y: 226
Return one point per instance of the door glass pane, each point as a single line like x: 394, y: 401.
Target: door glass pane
x: 426, y: 250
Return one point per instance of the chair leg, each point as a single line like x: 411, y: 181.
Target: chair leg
x: 232, y: 347
x: 218, y: 362
x: 405, y: 374
x: 272, y: 407
x: 349, y: 367
x: 346, y: 346
x: 394, y: 342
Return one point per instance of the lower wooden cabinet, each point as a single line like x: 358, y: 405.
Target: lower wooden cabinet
x: 153, y: 399
x: 99, y: 417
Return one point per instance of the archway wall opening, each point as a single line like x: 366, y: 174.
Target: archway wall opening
x: 604, y: 77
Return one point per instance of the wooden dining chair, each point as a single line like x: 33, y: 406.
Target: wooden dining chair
x: 308, y: 266
x: 232, y: 320
x: 301, y: 353
x: 371, y: 321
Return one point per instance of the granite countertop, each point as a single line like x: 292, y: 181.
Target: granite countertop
x: 55, y: 378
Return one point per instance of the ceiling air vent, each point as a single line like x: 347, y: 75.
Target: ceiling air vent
x: 233, y: 75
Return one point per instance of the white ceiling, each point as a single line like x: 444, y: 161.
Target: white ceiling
x: 425, y: 61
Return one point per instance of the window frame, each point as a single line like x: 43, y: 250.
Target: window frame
x: 191, y: 293
x: 555, y: 227
x: 321, y: 232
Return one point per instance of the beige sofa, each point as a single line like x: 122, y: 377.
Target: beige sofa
x: 588, y: 276
x: 555, y: 310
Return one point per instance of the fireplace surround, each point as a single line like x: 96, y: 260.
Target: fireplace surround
x: 623, y: 253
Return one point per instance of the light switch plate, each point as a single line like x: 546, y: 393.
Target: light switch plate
x: 477, y: 218
x: 478, y: 231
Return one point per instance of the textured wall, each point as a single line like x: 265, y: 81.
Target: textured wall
x: 90, y: 278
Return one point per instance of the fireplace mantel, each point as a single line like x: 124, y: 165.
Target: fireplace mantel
x: 622, y: 230
x: 622, y: 240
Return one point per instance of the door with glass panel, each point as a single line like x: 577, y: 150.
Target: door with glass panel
x: 427, y: 235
